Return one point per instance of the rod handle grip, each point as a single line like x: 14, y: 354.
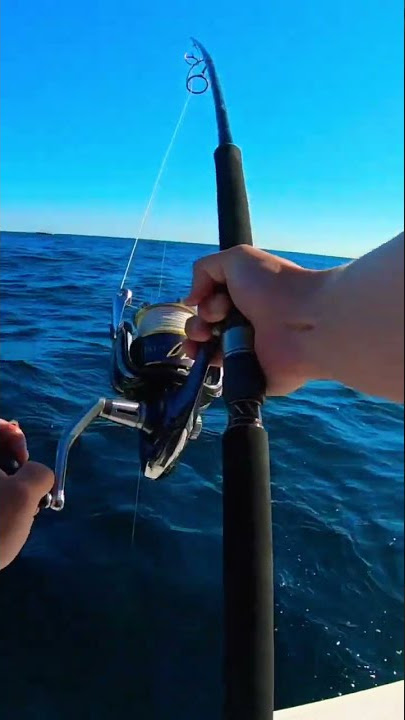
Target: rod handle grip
x: 248, y: 575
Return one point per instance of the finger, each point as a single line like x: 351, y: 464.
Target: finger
x: 214, y: 309
x: 12, y: 441
x: 36, y: 480
x: 6, y: 424
x: 191, y: 349
x: 208, y: 273
x: 198, y: 330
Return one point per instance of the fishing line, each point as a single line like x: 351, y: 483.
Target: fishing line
x: 138, y: 487
x: 161, y: 270
x: 155, y: 187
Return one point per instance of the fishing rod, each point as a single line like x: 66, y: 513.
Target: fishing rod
x: 247, y: 534
x: 164, y: 394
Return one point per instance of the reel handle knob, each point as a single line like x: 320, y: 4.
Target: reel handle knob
x: 8, y: 464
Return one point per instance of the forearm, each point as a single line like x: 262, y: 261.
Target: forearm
x: 358, y: 337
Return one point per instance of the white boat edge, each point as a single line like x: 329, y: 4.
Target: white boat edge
x: 383, y: 703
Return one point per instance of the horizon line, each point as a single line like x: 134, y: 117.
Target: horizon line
x: 182, y: 242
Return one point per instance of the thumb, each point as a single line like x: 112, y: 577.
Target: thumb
x: 20, y: 495
x: 34, y: 480
x: 208, y: 273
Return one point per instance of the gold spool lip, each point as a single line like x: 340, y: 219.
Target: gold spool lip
x: 142, y: 311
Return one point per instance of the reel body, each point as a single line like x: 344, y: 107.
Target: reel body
x: 149, y: 366
x: 163, y: 391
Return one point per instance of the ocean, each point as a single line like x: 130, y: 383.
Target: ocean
x: 95, y: 626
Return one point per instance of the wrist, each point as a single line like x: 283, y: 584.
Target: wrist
x: 322, y: 289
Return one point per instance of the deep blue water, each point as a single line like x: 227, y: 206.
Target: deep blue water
x: 92, y: 627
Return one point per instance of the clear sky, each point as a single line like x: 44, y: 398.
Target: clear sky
x: 92, y: 89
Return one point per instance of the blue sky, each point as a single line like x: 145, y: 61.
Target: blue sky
x: 92, y: 90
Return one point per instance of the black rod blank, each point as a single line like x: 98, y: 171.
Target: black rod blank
x: 247, y: 530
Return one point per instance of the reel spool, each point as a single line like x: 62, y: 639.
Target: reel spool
x: 152, y: 353
x: 157, y: 350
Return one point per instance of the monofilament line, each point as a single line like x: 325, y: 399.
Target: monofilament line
x: 161, y: 271
x: 155, y: 187
x: 138, y: 487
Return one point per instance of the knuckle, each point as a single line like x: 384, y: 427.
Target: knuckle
x: 197, y: 264
x: 240, y: 249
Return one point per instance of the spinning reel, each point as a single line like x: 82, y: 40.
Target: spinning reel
x: 163, y: 390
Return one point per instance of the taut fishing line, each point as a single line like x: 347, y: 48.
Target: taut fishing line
x: 161, y: 271
x: 132, y: 255
x: 138, y: 487
x: 155, y: 188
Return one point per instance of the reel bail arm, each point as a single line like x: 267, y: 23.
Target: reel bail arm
x: 122, y: 299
